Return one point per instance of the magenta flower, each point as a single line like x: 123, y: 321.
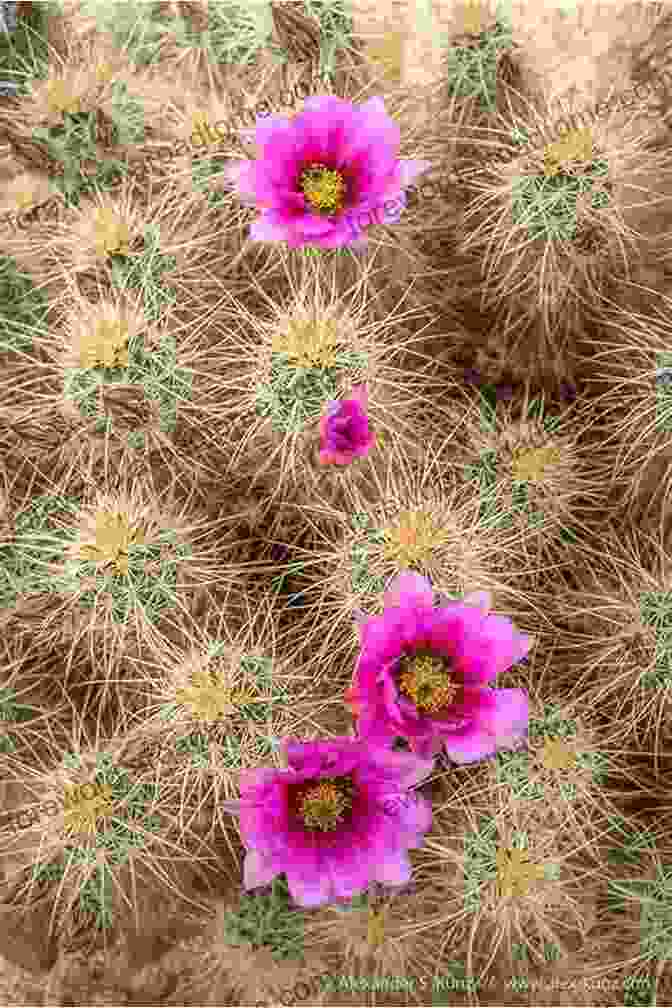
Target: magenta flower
x: 422, y: 673
x: 326, y: 174
x: 344, y: 429
x: 337, y: 819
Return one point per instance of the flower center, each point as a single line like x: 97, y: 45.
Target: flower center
x: 411, y: 540
x: 557, y: 755
x: 84, y: 805
x: 322, y: 804
x: 106, y: 346
x: 59, y: 101
x: 312, y: 342
x: 530, y: 464
x: 323, y: 188
x: 24, y: 199
x: 425, y: 679
x: 115, y: 534
x: 112, y: 234
x: 209, y: 697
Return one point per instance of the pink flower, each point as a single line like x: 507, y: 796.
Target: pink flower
x: 422, y: 673
x: 340, y: 817
x: 344, y: 430
x: 326, y: 174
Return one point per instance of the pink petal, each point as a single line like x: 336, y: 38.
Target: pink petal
x: 336, y: 458
x: 390, y: 701
x: 242, y: 174
x: 268, y: 128
x: 309, y: 888
x: 359, y: 244
x: 361, y: 619
x: 322, y: 128
x: 313, y: 226
x: 351, y: 699
x: 279, y: 153
x: 377, y: 126
x: 482, y: 644
x: 356, y: 132
x: 257, y: 871
x: 360, y: 394
x: 404, y: 173
x: 503, y: 725
x: 255, y: 779
x: 391, y: 215
x: 407, y: 770
x: 508, y: 720
x: 457, y: 631
x: 340, y: 236
x: 299, y: 754
x: 415, y: 625
x: 470, y: 745
x: 426, y: 746
x: 393, y: 869
x: 232, y: 806
x: 376, y: 729
x: 416, y: 819
x: 503, y: 644
x: 410, y: 169
x: 408, y: 589
x: 268, y: 228
x: 479, y: 599
x: 351, y: 871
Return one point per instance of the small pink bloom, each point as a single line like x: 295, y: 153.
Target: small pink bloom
x: 344, y: 429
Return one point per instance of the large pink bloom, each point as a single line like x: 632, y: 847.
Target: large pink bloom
x: 464, y: 646
x: 368, y: 843
x: 344, y: 429
x: 325, y: 175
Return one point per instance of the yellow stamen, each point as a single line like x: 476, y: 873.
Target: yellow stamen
x: 427, y: 683
x: 104, y: 73
x: 324, y: 189
x: 323, y: 807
